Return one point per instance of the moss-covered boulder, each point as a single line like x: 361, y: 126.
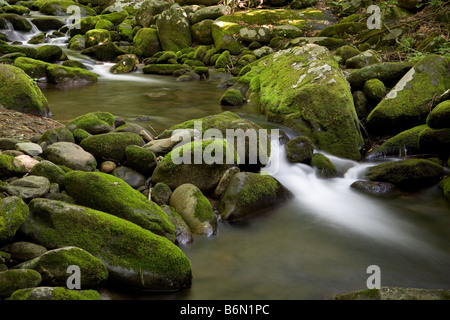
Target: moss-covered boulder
x: 55, y: 135
x: 201, y: 163
x: 363, y: 59
x: 126, y: 64
x: 162, y: 69
x: 250, y: 194
x: 246, y: 137
x: 13, y: 214
x: 12, y: 280
x: 54, y: 293
x: 70, y: 155
x: 303, y: 88
x: 111, y: 146
x: 19, y: 22
x: 93, y: 122
x: 174, y: 29
x: 5, y: 48
x: 141, y: 159
x: 300, y: 150
x: 407, y: 174
x: 49, y: 53
x: 10, y: 166
x: 161, y: 193
x: 47, y: 23
x: 107, y: 51
x: 148, y: 12
x: 134, y: 256
x: 435, y: 141
x: 60, y: 8
x: 405, y: 143
x: 374, y: 90
x: 407, y: 104
x: 147, y: 41
x: 201, y: 32
x: 19, y: 92
x: 389, y: 73
x: 444, y: 185
x: 97, y: 36
x: 23, y: 250
x: 195, y: 209
x: 53, y: 266
x: 110, y: 194
x: 77, y: 42
x: 232, y: 97
x: 323, y: 165
x: 50, y: 171
x: 439, y: 117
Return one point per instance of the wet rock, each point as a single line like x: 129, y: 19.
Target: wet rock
x: 325, y: 168
x: 47, y: 23
x: 53, y: 266
x: 374, y: 187
x: 232, y: 97
x: 195, y: 209
x: 50, y: 53
x: 444, y: 184
x: 224, y: 181
x: 407, y: 174
x: 107, y: 51
x: 300, y: 150
x: 161, y: 193
x: 70, y: 155
x: 155, y: 263
x: 250, y: 194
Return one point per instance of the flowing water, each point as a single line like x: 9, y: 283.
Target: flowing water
x: 317, y: 245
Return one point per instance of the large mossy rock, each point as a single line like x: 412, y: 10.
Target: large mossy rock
x: 61, y: 8
x: 111, y: 146
x: 93, y: 122
x: 54, y: 293
x: 19, y: 92
x: 407, y: 174
x: 13, y: 213
x: 407, y: 104
x: 134, y: 256
x: 174, y: 30
x: 254, y: 150
x: 53, y: 266
x: 110, y: 194
x: 107, y: 51
x: 250, y: 194
x: 12, y: 280
x: 149, y: 11
x: 147, y: 41
x: 195, y: 209
x: 19, y: 22
x: 439, y: 117
x: 201, y: 163
x: 303, y: 88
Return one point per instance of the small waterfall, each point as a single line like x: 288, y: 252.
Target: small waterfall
x: 333, y: 202
x: 19, y: 36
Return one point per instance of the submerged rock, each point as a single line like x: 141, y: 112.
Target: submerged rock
x: 395, y: 293
x: 154, y: 263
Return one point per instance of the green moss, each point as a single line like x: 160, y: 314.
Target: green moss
x: 162, y: 69
x: 107, y: 193
x: 407, y: 174
x: 256, y: 187
x: 300, y: 150
x: 374, y: 90
x: 435, y: 141
x: 403, y: 144
x: 9, y: 166
x: 203, y: 209
x: 120, y: 244
x: 325, y: 168
x: 439, y: 117
x: 97, y: 36
x: 444, y: 184
x: 223, y: 60
x: 13, y: 214
x: 341, y: 29
x: 232, y: 97
x: 93, y: 122
x: 407, y: 104
x: 54, y: 293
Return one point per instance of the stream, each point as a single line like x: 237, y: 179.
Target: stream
x: 315, y: 246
